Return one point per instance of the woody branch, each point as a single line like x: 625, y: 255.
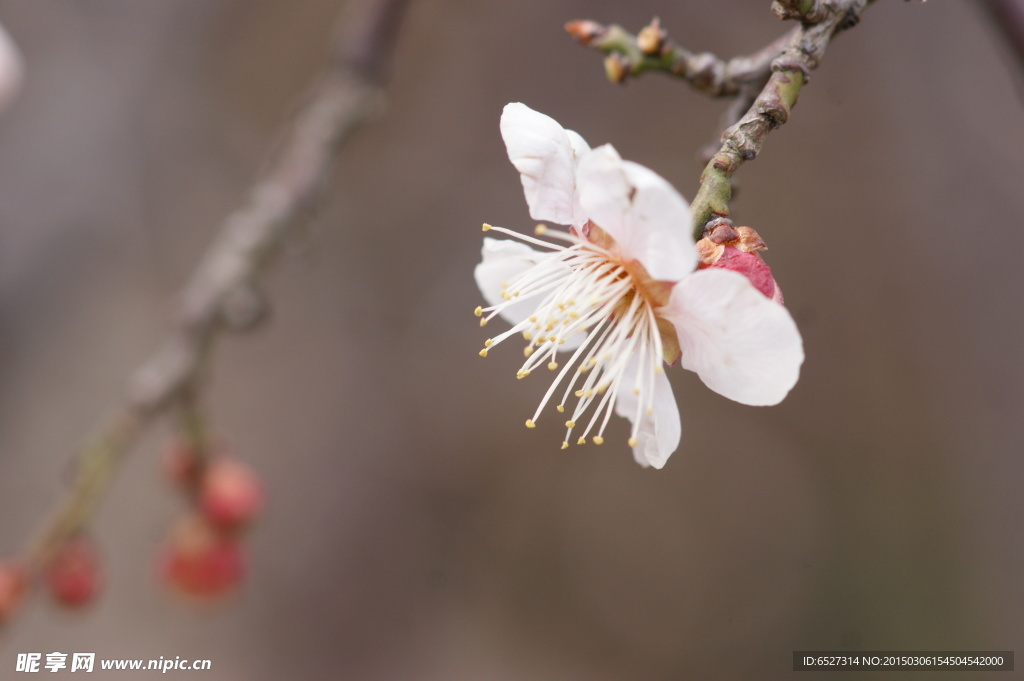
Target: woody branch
x: 344, y: 97
x: 781, y: 70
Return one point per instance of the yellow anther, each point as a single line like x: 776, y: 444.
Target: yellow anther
x: 505, y: 295
x: 588, y: 393
x: 650, y: 411
x: 540, y: 229
x: 636, y: 391
x: 592, y: 362
x: 598, y: 440
x: 658, y: 369
x: 570, y: 424
x: 565, y: 445
x: 632, y: 442
x: 522, y: 374
x: 478, y: 311
x: 527, y: 351
x: 560, y: 408
x: 486, y: 227
x: 578, y: 393
x: 552, y: 365
x: 574, y: 315
x: 533, y: 318
x: 582, y: 370
x: 581, y: 441
x: 483, y: 353
x: 488, y: 343
x: 527, y: 335
x: 503, y: 284
x: 561, y: 341
x: 483, y: 322
x: 601, y: 388
x: 530, y: 423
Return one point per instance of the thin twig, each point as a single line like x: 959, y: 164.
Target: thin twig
x: 651, y: 50
x: 790, y: 71
x: 776, y: 74
x: 344, y: 97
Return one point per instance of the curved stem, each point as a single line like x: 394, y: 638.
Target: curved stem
x: 346, y: 95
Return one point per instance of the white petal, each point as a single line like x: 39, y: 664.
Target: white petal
x: 580, y: 148
x: 579, y: 145
x: 501, y: 262
x: 741, y: 344
x: 659, y: 432
x: 640, y: 210
x: 544, y: 153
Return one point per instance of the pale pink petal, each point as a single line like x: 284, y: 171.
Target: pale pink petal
x: 661, y: 430
x: 741, y: 344
x: 501, y: 262
x: 543, y: 153
x: 580, y: 148
x: 648, y: 219
x: 579, y: 145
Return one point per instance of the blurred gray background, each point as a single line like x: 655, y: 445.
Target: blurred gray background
x: 416, y: 530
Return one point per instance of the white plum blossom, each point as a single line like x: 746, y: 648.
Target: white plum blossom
x: 619, y: 292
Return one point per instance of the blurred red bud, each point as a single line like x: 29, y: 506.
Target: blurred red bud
x: 200, y: 562
x: 13, y: 585
x: 231, y: 494
x: 73, y: 576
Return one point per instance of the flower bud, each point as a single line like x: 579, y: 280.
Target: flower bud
x: 735, y: 248
x: 585, y: 31
x: 231, y: 494
x: 73, y: 575
x: 616, y: 68
x: 13, y: 585
x: 651, y: 38
x: 200, y: 562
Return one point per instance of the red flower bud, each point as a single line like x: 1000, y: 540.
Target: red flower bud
x: 200, y: 562
x: 735, y: 248
x: 753, y: 268
x: 231, y: 494
x: 73, y: 576
x: 13, y: 585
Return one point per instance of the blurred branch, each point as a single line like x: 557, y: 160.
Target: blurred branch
x: 345, y: 96
x: 652, y: 50
x: 1008, y: 18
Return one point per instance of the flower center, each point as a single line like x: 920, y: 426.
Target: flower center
x: 587, y: 295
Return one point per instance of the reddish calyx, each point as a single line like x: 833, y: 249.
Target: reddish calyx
x: 735, y: 248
